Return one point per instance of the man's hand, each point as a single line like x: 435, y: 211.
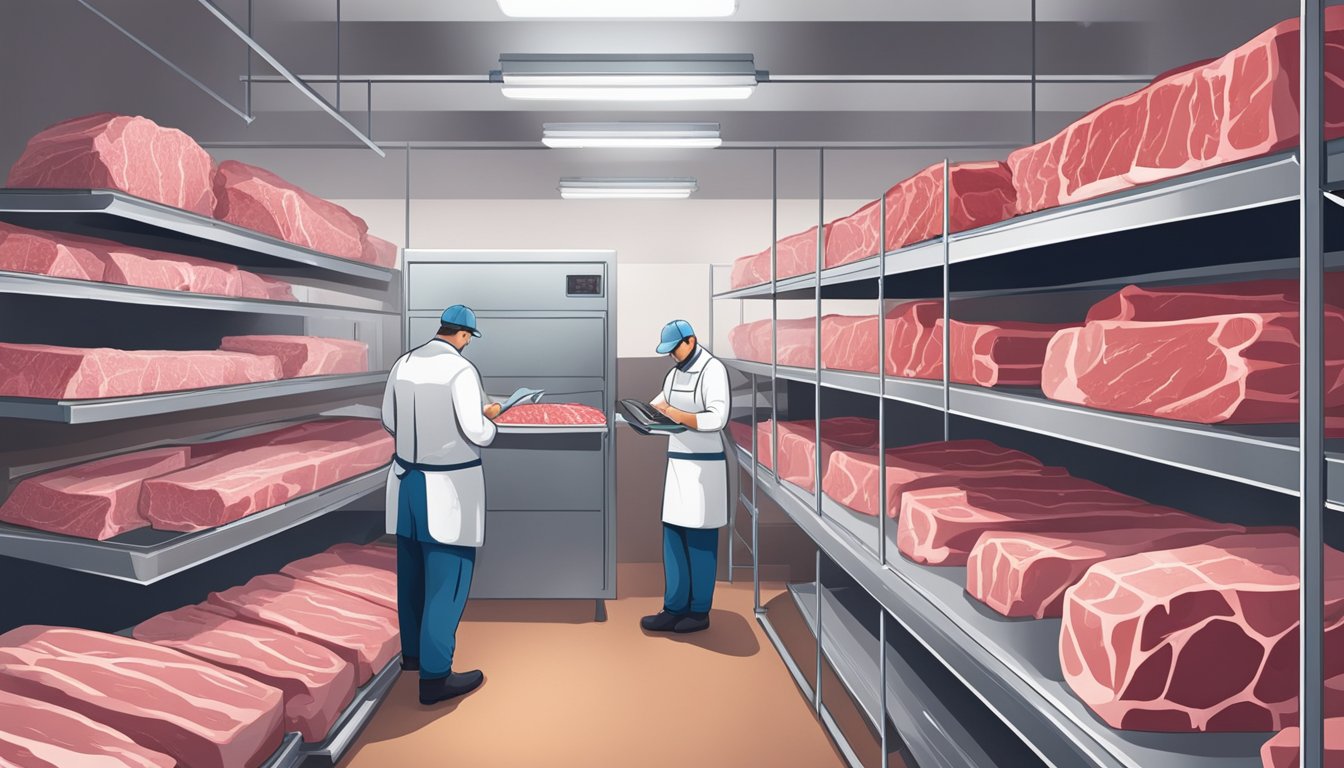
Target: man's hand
x: 492, y: 410
x: 662, y: 407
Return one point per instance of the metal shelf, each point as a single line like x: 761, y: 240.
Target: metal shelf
x: 62, y: 288
x: 146, y: 555
x: 747, y: 366
x: 119, y: 216
x: 921, y: 256
x: 288, y: 755
x: 551, y: 429
x: 111, y: 409
x: 1009, y: 665
x: 936, y: 736
x: 353, y: 720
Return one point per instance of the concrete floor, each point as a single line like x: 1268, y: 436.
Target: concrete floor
x: 564, y: 691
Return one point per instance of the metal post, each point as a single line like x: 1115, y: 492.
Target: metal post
x: 816, y: 689
x: 774, y: 312
x: 1033, y: 71
x: 947, y: 304
x: 368, y: 107
x: 408, y: 195
x: 1311, y: 474
x: 816, y: 298
x: 882, y: 680
x: 338, y: 55
x: 882, y: 382
x: 247, y: 91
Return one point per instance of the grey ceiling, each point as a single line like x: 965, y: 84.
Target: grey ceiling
x: 62, y: 61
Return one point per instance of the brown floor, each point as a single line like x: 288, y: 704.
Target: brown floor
x: 563, y: 691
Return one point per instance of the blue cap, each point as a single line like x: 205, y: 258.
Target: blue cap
x: 673, y: 333
x: 460, y: 316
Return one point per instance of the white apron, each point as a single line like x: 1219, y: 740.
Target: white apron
x: 455, y: 502
x: 695, y: 492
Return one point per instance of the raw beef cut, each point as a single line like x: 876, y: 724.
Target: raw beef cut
x: 57, y: 373
x: 940, y: 526
x: 36, y: 734
x: 316, y: 429
x: 851, y: 477
x: 1282, y: 750
x: 236, y: 484
x: 981, y: 194
x: 259, y: 200
x: 797, y: 445
x: 1240, y: 106
x: 371, y: 555
x: 855, y: 237
x: 797, y: 343
x: 95, y: 500
x: 741, y: 339
x: 379, y: 252
x: 127, y: 265
x: 1026, y: 574
x: 794, y: 255
x: 1201, y: 638
x: 317, y: 684
x: 305, y: 355
x: 132, y: 154
x: 360, y: 632
x: 1006, y: 353
x: 43, y: 253
x: 256, y: 286
x: 553, y: 414
x: 199, y: 714
x: 1188, y: 302
x: 849, y: 342
x: 741, y: 434
x: 912, y: 350
x: 1238, y: 369
x: 344, y: 571
x: 751, y: 270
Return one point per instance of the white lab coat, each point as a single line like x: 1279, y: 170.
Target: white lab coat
x: 432, y: 406
x: 695, y: 493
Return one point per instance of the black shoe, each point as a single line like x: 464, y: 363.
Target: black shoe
x: 410, y: 663
x: 663, y: 621
x: 695, y: 622
x: 450, y: 687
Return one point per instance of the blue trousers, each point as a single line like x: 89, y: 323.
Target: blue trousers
x: 690, y: 566
x: 433, y: 581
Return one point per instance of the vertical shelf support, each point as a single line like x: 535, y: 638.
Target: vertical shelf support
x: 947, y: 302
x: 816, y: 688
x: 882, y: 681
x: 816, y: 298
x: 1311, y: 470
x: 774, y: 308
x: 882, y: 381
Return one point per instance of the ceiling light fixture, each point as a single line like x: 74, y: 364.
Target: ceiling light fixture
x: 617, y: 9
x: 627, y: 77
x: 640, y: 189
x: 631, y: 135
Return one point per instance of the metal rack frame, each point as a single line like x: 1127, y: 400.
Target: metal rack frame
x: 979, y: 649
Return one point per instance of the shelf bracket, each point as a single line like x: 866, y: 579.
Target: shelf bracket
x: 303, y: 87
x: 202, y: 86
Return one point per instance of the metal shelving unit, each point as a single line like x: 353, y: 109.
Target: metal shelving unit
x: 117, y: 408
x: 353, y: 720
x: 146, y: 556
x: 126, y: 218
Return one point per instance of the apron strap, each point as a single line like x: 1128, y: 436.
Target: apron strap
x: 411, y: 467
x: 714, y: 456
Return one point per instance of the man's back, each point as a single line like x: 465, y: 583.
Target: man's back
x: 433, y: 406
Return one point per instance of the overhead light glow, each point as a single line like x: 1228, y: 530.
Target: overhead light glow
x: 636, y: 189
x: 617, y: 9
x: 626, y: 77
x: 627, y: 94
x: 631, y: 135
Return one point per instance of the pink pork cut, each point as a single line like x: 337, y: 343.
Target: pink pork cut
x: 1240, y: 106
x: 740, y: 338
x: 316, y: 429
x: 741, y: 434
x: 317, y: 684
x: 200, y: 715
x: 145, y: 268
x: 371, y: 555
x: 1006, y: 353
x: 1236, y: 369
x: 264, y: 287
x: 851, y: 477
x: 57, y: 373
x: 44, y: 253
x: 981, y: 194
x: 350, y: 572
x: 37, y: 734
x: 856, y: 236
x: 794, y: 255
x: 797, y: 445
x: 237, y: 484
x: 1201, y: 638
x: 95, y: 500
x: 912, y: 351
x: 362, y: 633
x: 940, y: 526
x: 379, y: 252
x: 797, y: 345
x: 1282, y: 750
x: 1026, y: 574
x: 132, y: 154
x: 751, y: 270
x: 553, y: 414
x: 259, y: 200
x: 1188, y: 302
x: 305, y: 355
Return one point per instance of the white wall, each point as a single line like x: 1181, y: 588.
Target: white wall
x: 664, y: 249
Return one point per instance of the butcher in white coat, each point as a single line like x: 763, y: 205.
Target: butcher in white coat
x: 436, y: 410
x: 695, y: 493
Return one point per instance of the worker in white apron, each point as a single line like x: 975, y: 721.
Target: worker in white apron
x: 436, y: 410
x: 695, y: 493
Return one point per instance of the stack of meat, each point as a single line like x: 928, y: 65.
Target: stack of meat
x: 1223, y: 353
x: 163, y: 165
x: 553, y: 415
x: 76, y: 373
x: 798, y: 447
x: 191, y: 488
x: 214, y: 685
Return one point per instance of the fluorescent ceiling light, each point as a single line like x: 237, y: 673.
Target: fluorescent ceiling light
x: 631, y: 135
x: 641, y: 189
x: 617, y: 9
x: 626, y: 77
